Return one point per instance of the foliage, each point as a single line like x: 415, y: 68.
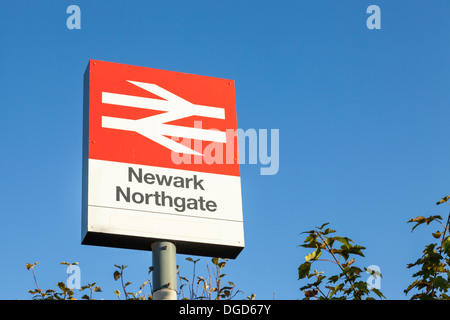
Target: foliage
x: 65, y: 292
x: 211, y: 286
x: 128, y: 295
x: 433, y: 278
x: 344, y: 285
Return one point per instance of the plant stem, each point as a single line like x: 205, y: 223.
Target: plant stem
x: 35, y: 282
x: 123, y: 286
x: 340, y: 266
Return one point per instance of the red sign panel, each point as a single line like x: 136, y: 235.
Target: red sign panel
x: 161, y: 118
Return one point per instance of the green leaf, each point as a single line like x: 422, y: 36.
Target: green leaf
x: 446, y: 246
x: 348, y: 263
x: 313, y: 255
x: 309, y: 245
x: 336, y: 289
x: 441, y: 284
x: 436, y: 235
x: 330, y: 241
x: 62, y: 286
x: 432, y: 218
x: 419, y: 220
x: 215, y: 261
x: 445, y: 199
x: 144, y: 284
x: 378, y: 293
x: 321, y: 227
x: 117, y: 275
x: 304, y: 269
x: 344, y: 240
x: 373, y: 273
x: 333, y: 279
x: 30, y: 266
x: 311, y: 293
x: 356, y: 250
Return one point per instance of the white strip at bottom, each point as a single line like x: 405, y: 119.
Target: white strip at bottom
x: 165, y: 226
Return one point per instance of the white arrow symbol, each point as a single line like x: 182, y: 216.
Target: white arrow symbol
x: 155, y: 127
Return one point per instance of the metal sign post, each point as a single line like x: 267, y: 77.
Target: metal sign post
x: 164, y: 271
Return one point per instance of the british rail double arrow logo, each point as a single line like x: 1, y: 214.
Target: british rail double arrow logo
x: 155, y: 127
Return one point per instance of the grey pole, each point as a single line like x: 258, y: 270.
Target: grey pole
x: 164, y: 271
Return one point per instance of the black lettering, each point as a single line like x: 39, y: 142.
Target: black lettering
x: 149, y: 178
x: 163, y: 180
x: 178, y: 182
x: 119, y: 192
x: 192, y: 204
x: 198, y: 183
x: 157, y: 195
x: 137, y: 197
x: 147, y: 197
x: 211, y: 206
x: 201, y: 201
x: 180, y: 207
x: 131, y: 173
x: 163, y: 199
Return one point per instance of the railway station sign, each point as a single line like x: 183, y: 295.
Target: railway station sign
x: 160, y: 161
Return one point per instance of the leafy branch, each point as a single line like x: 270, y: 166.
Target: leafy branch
x: 344, y: 285
x: 433, y: 278
x: 210, y: 287
x: 66, y: 293
x: 140, y: 295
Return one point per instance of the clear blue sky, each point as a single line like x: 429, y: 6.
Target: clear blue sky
x: 363, y: 119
